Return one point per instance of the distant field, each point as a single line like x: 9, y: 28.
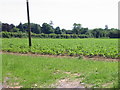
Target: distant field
x: 32, y: 71
x: 72, y: 47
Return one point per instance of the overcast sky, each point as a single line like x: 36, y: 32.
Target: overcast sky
x: 63, y: 13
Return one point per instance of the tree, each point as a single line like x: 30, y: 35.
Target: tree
x: 76, y: 28
x: 83, y: 30
x: 69, y: 32
x: 25, y: 27
x: 7, y: 27
x: 15, y: 29
x: 106, y: 27
x: 20, y: 26
x: 35, y: 28
x: 114, y: 34
x: 38, y: 29
x: 89, y: 33
x: 63, y: 31
x: 97, y: 32
x: 57, y: 30
x: 51, y: 23
x: 47, y: 29
x: 11, y: 26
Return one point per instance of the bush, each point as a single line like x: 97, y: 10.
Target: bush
x: 14, y: 34
x: 24, y: 35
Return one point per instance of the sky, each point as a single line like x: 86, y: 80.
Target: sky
x: 63, y: 13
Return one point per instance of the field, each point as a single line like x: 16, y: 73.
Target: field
x: 24, y: 70
x: 72, y: 47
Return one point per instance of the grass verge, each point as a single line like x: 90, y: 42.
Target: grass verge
x: 41, y: 72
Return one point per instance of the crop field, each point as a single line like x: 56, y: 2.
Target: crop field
x: 71, y: 47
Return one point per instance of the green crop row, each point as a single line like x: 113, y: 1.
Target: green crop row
x: 71, y: 47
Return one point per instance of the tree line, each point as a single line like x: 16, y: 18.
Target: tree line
x: 45, y: 30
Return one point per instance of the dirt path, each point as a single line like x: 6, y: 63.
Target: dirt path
x: 98, y: 58
x: 67, y: 83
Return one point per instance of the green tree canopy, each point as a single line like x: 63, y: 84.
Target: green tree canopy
x: 47, y: 29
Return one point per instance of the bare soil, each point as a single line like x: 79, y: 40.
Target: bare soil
x: 98, y: 58
x: 67, y: 83
x: 10, y: 85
